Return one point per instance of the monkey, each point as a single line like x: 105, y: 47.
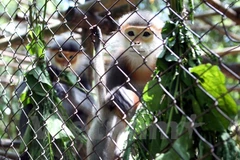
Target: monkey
x: 134, y: 49
x: 68, y: 55
x: 72, y: 59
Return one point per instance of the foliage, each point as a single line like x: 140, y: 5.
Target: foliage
x: 49, y: 123
x: 209, y: 38
x: 184, y: 99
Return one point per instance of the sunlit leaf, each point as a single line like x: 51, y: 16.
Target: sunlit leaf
x: 154, y: 96
x: 57, y: 128
x: 214, y: 83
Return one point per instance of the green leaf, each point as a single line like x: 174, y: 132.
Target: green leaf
x: 196, y: 108
x: 72, y: 78
x: 191, y: 8
x: 168, y: 29
x: 57, y: 128
x: 162, y: 65
x: 162, y: 53
x: 203, y: 149
x: 213, y: 82
x: 182, y: 146
x: 37, y: 87
x: 38, y: 82
x: 36, y: 46
x: 39, y: 75
x: 171, y: 57
x: 171, y: 41
x: 25, y: 99
x: 182, y: 35
x: 229, y: 149
x: 154, y: 96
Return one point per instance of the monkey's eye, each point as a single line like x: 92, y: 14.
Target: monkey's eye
x: 60, y: 55
x: 130, y: 33
x: 146, y: 34
x: 70, y: 57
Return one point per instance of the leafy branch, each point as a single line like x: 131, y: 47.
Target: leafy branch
x: 49, y: 123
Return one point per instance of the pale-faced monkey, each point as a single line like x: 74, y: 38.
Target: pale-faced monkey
x: 134, y: 49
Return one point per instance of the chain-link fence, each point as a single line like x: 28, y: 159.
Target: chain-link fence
x: 119, y: 79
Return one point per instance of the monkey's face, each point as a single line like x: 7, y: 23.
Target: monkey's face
x: 63, y: 60
x: 141, y: 40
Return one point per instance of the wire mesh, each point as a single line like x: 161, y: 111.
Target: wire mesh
x: 73, y: 79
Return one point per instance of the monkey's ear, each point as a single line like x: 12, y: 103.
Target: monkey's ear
x: 122, y: 101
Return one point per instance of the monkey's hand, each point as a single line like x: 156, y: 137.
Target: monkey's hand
x: 96, y: 37
x: 123, y: 101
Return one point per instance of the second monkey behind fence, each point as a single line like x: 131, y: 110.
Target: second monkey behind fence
x: 65, y: 55
x: 68, y: 55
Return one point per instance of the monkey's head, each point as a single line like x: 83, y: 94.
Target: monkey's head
x: 65, y: 55
x: 141, y: 33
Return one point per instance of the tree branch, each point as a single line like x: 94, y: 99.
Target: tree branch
x: 229, y: 12
x: 86, y: 16
x: 221, y: 30
x: 21, y: 39
x: 16, y: 56
x: 229, y: 50
x: 101, y: 6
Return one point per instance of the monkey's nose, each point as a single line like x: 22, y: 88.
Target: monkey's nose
x: 137, y: 43
x: 65, y: 64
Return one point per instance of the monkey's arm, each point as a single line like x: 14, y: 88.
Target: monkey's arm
x: 117, y: 74
x: 119, y: 86
x: 122, y: 101
x: 110, y: 124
